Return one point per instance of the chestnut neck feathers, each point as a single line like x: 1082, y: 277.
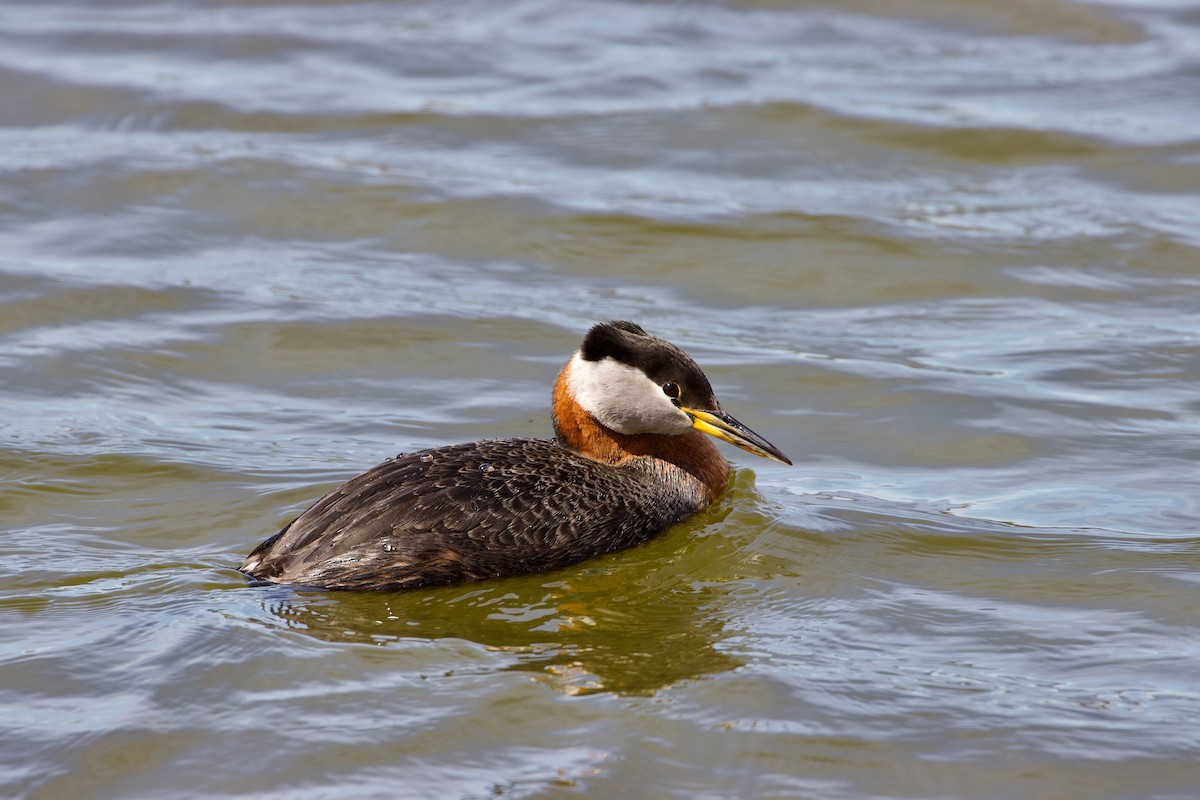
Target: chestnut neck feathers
x: 691, y: 451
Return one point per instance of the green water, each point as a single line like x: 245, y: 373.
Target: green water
x: 944, y: 254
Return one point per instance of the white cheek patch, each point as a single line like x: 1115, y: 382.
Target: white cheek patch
x: 622, y: 398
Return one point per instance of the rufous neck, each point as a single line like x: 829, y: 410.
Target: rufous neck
x: 692, y: 452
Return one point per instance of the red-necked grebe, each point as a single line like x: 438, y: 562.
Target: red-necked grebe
x: 630, y: 459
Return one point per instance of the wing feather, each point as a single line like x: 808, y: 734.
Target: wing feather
x: 473, y: 510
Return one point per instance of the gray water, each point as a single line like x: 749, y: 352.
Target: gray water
x: 944, y: 254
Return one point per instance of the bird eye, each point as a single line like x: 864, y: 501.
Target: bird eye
x: 671, y: 390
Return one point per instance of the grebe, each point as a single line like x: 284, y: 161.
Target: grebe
x: 630, y: 459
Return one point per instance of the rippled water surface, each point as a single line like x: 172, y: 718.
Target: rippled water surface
x: 944, y: 254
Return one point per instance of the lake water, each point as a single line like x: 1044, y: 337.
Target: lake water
x: 945, y: 254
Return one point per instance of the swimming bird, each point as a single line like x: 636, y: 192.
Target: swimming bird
x: 630, y: 458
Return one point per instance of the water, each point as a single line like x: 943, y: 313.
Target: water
x: 944, y: 254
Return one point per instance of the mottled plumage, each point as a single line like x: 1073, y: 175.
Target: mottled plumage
x: 513, y: 506
x: 475, y: 510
